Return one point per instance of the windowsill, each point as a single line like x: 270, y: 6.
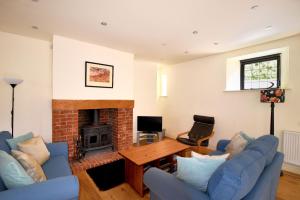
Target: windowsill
x: 226, y: 90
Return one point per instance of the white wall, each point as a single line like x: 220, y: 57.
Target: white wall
x: 30, y: 60
x: 69, y: 58
x: 197, y: 87
x: 146, y: 99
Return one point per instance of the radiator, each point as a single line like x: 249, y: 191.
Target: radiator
x: 291, y: 147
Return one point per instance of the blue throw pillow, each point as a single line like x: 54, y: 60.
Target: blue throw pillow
x: 197, y: 172
x: 12, y: 173
x: 14, y: 141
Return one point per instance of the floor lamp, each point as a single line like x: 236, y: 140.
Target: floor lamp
x: 13, y: 83
x: 272, y: 96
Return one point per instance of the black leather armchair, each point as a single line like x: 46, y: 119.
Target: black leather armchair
x: 200, y: 133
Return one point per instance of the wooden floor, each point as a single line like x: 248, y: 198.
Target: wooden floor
x: 89, y: 191
x: 289, y: 189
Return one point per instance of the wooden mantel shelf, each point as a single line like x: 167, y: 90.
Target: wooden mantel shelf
x: 58, y: 104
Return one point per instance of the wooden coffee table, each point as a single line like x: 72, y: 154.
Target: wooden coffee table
x: 139, y: 158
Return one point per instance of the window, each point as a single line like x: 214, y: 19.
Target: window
x: 261, y: 72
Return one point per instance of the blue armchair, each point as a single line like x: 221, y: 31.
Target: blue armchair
x: 60, y: 184
x: 250, y: 175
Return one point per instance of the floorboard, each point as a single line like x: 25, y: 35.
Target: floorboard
x: 288, y: 189
x: 89, y: 191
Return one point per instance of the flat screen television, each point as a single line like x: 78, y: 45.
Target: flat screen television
x: 149, y: 123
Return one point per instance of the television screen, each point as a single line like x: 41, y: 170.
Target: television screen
x: 149, y: 123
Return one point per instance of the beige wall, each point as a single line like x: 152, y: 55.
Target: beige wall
x: 30, y: 60
x: 69, y: 58
x: 146, y: 100
x: 197, y: 87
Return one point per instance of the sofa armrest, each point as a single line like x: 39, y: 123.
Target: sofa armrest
x: 58, y: 149
x: 221, y: 146
x: 166, y: 186
x: 63, y: 188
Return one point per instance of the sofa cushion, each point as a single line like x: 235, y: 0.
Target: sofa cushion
x: 266, y: 145
x: 4, y: 135
x: 202, y: 156
x: 56, y: 167
x: 12, y: 173
x: 4, y: 147
x: 30, y: 165
x: 13, y: 142
x: 237, y: 144
x: 236, y: 177
x: 36, y: 148
x: 197, y: 171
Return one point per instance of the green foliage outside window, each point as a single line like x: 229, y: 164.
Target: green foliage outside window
x: 260, y: 73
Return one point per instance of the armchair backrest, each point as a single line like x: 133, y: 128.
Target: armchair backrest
x: 203, y: 126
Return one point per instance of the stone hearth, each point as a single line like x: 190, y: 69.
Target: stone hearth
x: 66, y: 122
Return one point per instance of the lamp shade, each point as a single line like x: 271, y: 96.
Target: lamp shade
x: 13, y: 81
x: 272, y: 96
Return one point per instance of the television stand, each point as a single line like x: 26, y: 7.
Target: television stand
x: 149, y: 136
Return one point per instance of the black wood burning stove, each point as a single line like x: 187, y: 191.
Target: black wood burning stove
x: 96, y: 135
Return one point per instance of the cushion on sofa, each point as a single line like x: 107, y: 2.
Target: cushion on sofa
x: 237, y: 144
x: 215, y: 156
x: 30, y: 165
x: 12, y: 173
x: 266, y: 145
x: 36, y: 148
x: 13, y: 142
x: 4, y: 147
x: 56, y: 167
x: 236, y: 177
x: 4, y: 135
x: 197, y: 171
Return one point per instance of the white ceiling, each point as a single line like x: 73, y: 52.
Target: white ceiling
x: 142, y: 26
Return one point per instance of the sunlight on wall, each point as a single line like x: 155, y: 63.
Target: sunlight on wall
x: 162, y: 82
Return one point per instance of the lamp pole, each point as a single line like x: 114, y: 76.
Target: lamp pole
x: 12, y: 109
x: 272, y: 118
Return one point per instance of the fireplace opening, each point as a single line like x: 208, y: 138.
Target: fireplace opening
x: 95, y: 130
x: 93, y: 139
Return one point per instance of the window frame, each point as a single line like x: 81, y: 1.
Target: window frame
x: 276, y: 57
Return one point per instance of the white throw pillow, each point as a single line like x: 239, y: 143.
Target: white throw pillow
x: 201, y: 156
x: 36, y: 148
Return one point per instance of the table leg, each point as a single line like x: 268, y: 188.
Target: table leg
x: 134, y: 176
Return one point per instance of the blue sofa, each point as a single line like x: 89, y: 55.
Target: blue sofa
x: 252, y: 174
x: 60, y: 184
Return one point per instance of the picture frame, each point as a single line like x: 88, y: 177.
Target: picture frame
x: 99, y: 75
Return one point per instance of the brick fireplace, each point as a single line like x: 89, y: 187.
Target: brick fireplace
x: 68, y: 116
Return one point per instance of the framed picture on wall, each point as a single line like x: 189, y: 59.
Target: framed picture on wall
x: 99, y: 75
